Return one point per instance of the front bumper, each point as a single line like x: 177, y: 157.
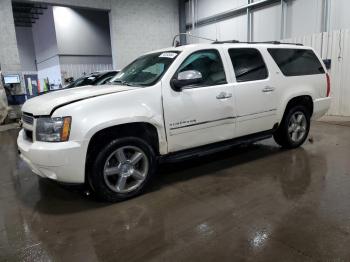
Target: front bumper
x: 63, y: 161
x: 321, y: 106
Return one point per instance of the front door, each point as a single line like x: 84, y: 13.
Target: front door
x: 203, y: 113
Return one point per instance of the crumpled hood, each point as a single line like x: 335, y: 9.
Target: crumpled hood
x: 44, y: 104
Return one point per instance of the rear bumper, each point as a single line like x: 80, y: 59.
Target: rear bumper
x: 63, y: 162
x: 321, y: 106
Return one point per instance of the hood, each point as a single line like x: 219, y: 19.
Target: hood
x: 44, y: 104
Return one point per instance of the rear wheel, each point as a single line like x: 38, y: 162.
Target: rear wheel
x: 294, y: 127
x: 122, y: 169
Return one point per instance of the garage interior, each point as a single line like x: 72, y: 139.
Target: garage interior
x: 254, y: 202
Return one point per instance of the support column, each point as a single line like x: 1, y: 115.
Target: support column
x: 182, y: 21
x: 9, y: 57
x: 249, y: 23
x: 283, y: 19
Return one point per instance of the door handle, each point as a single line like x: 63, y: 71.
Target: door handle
x: 267, y: 89
x: 223, y: 95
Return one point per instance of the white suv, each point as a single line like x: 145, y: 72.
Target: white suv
x: 169, y: 105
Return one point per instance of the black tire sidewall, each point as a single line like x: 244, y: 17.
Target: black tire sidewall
x: 96, y: 178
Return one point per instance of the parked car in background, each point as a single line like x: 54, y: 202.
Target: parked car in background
x: 95, y: 78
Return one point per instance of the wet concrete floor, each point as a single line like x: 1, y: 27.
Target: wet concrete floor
x: 252, y: 203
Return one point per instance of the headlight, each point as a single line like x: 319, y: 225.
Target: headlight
x: 53, y: 129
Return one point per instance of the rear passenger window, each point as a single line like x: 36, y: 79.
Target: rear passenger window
x: 248, y: 64
x: 296, y: 62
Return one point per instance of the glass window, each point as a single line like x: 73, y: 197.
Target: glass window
x: 296, y: 62
x: 145, y: 70
x: 248, y: 64
x: 209, y: 64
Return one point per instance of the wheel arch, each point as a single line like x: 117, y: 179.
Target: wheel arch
x: 305, y: 100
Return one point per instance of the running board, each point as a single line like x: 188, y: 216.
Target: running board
x: 214, y: 148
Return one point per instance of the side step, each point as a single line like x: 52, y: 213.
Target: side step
x: 214, y: 148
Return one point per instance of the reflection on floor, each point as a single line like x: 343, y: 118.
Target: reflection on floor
x: 251, y: 203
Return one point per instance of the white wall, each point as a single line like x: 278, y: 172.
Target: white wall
x: 267, y: 23
x: 44, y: 36
x: 140, y: 26
x: 46, y: 48
x: 26, y: 48
x: 340, y: 17
x: 81, y: 31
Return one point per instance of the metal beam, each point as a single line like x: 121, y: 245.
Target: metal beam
x: 182, y: 21
x: 249, y: 23
x: 326, y: 5
x: 283, y: 19
x: 232, y: 13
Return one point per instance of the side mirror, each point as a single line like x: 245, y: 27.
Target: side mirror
x: 186, y: 78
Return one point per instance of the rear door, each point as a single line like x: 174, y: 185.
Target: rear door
x: 255, y: 91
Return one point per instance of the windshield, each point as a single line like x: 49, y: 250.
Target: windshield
x: 145, y: 70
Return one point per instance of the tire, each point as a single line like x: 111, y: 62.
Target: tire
x: 294, y: 128
x: 122, y: 169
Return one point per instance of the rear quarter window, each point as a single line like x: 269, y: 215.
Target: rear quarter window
x: 296, y: 62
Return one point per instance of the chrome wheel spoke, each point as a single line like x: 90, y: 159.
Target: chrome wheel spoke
x: 300, y: 118
x: 112, y: 171
x: 136, y: 158
x: 121, y: 183
x: 295, y: 136
x: 290, y: 129
x: 137, y: 175
x: 120, y: 155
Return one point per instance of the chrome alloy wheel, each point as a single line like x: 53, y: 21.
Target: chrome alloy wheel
x: 125, y: 169
x: 297, y: 126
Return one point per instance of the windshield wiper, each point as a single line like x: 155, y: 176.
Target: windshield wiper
x: 123, y: 83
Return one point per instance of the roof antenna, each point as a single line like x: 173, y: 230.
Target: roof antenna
x: 190, y: 35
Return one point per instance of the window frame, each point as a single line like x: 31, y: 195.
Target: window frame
x: 261, y: 56
x: 197, y: 51
x: 293, y: 75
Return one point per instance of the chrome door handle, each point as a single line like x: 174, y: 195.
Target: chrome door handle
x: 267, y: 89
x: 223, y: 95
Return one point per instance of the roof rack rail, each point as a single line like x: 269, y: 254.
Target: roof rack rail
x: 265, y: 42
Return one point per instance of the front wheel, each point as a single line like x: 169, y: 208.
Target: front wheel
x: 294, y: 127
x: 122, y: 169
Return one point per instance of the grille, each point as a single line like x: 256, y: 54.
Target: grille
x: 27, y: 119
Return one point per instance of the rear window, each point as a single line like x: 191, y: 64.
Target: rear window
x: 296, y: 62
x: 248, y: 64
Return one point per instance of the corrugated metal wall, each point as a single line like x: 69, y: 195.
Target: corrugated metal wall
x: 335, y: 46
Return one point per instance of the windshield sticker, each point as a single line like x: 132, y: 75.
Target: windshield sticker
x: 168, y: 55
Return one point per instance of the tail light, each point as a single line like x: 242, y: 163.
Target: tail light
x: 328, y: 84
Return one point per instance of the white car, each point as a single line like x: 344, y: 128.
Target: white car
x: 170, y: 105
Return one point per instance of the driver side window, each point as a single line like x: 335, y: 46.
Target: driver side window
x: 209, y: 64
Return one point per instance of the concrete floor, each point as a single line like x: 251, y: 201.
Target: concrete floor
x: 254, y: 203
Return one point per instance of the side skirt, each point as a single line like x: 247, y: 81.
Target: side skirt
x: 215, y: 147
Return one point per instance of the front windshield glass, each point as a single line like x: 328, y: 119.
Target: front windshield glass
x: 145, y: 70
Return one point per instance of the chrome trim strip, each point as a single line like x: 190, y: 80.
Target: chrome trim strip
x: 204, y: 122
x: 220, y: 119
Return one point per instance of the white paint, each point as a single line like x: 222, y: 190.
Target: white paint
x: 159, y: 105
